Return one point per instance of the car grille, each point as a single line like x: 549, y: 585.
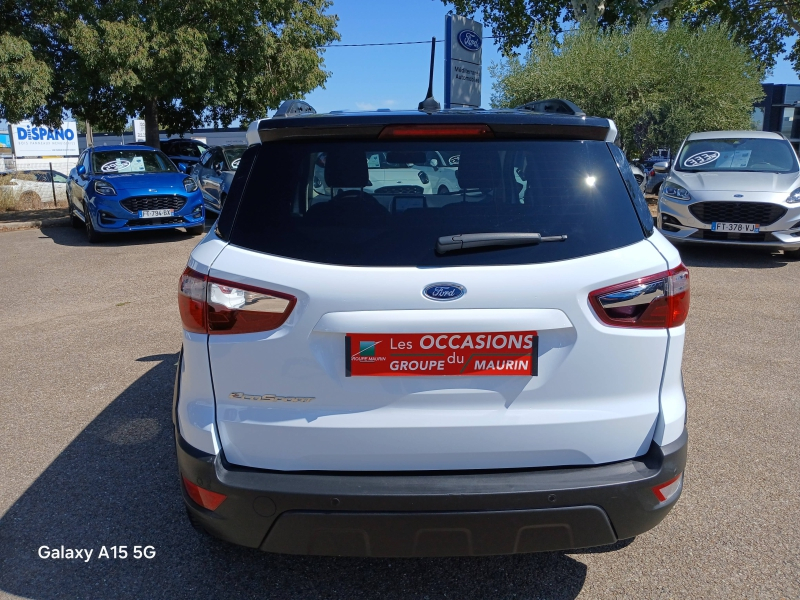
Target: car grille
x: 760, y: 213
x: 740, y: 237
x: 400, y: 190
x: 153, y: 203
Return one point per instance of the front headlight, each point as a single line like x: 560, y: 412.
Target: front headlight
x: 104, y: 188
x: 189, y: 184
x: 794, y: 197
x: 673, y: 190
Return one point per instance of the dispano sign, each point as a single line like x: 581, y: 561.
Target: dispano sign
x: 38, y: 140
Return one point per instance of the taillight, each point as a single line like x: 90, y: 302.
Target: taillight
x: 436, y: 131
x: 655, y: 301
x: 215, y: 306
x: 192, y: 301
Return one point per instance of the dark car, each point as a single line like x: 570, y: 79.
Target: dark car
x: 214, y: 173
x: 187, y: 152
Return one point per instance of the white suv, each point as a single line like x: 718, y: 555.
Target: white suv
x: 489, y: 371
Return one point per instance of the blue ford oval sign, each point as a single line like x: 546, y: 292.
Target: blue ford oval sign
x: 469, y: 40
x: 444, y: 291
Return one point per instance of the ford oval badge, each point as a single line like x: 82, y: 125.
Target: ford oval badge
x: 444, y: 291
x: 469, y: 40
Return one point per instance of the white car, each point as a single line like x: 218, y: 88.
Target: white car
x: 738, y: 188
x: 440, y: 172
x: 38, y: 182
x: 492, y: 371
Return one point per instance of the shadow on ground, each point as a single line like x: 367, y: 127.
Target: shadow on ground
x: 731, y: 257
x: 116, y: 484
x: 67, y: 236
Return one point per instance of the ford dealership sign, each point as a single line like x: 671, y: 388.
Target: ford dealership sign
x: 37, y: 140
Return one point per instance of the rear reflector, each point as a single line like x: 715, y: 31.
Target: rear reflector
x: 435, y: 131
x: 203, y: 497
x: 655, y: 301
x: 215, y: 306
x: 667, y: 490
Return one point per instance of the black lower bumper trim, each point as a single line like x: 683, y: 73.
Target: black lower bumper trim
x: 439, y: 533
x: 433, y: 514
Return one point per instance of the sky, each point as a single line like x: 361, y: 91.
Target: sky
x: 397, y: 76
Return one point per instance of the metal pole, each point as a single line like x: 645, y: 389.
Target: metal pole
x: 53, y: 183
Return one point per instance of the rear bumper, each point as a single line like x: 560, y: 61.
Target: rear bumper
x: 432, y: 514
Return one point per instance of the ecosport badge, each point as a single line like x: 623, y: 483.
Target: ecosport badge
x: 267, y: 397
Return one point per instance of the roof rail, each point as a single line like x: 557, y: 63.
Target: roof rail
x: 553, y: 105
x: 294, y: 108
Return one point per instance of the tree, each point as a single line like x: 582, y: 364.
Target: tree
x: 658, y: 85
x: 24, y: 80
x: 176, y: 63
x: 761, y: 24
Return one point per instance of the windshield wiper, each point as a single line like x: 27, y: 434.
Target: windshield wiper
x: 464, y: 241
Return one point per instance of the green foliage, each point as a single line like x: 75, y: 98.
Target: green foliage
x: 761, y: 24
x: 178, y: 63
x: 24, y: 80
x: 657, y: 85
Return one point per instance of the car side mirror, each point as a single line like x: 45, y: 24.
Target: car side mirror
x: 218, y: 167
x: 661, y: 167
x: 182, y: 167
x: 81, y: 170
x: 435, y: 164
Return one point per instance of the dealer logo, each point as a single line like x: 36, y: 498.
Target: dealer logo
x: 366, y: 352
x: 469, y: 40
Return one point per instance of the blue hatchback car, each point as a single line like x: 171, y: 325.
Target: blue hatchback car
x: 132, y: 188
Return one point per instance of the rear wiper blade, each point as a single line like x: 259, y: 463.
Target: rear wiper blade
x: 464, y: 241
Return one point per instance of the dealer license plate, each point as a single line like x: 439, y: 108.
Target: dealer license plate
x: 435, y: 354
x: 735, y: 227
x: 154, y: 214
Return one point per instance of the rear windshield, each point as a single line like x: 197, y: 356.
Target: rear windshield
x: 132, y: 161
x: 738, y: 154
x: 386, y: 203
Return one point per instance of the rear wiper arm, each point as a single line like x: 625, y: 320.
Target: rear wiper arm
x: 464, y: 241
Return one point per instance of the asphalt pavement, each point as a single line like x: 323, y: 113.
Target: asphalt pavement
x: 90, y: 338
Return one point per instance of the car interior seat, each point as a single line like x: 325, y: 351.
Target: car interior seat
x: 347, y: 174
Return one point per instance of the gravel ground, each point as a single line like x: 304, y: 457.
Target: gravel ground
x: 90, y: 339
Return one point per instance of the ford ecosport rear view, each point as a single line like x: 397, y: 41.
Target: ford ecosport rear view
x: 374, y: 368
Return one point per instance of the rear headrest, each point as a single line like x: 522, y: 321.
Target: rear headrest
x: 347, y: 169
x: 479, y: 169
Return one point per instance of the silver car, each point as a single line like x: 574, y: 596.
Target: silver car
x: 214, y: 173
x: 733, y: 187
